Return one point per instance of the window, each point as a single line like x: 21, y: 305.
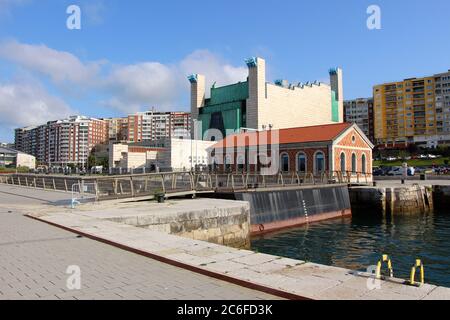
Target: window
x: 241, y: 162
x: 343, y: 164
x: 301, y: 162
x: 319, y: 163
x: 284, y: 162
x: 353, y: 163
x: 363, y: 164
x: 228, y: 163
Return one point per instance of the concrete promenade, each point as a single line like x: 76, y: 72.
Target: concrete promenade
x: 34, y: 258
x: 281, y: 276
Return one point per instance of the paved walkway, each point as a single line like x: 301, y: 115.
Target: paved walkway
x: 34, y: 258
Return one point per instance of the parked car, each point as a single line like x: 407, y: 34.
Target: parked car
x: 391, y: 158
x: 378, y: 172
x: 397, y: 171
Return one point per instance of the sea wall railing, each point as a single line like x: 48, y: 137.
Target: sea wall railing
x: 177, y: 183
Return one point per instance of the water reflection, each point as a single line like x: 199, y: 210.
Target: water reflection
x: 358, y: 242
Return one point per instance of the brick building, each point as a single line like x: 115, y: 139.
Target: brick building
x: 330, y: 148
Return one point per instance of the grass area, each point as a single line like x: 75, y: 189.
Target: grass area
x: 413, y: 163
x: 13, y: 170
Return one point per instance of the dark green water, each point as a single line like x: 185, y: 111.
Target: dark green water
x: 358, y: 242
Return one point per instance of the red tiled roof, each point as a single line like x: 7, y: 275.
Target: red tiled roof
x: 292, y: 135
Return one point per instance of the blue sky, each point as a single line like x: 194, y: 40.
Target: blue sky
x: 131, y: 55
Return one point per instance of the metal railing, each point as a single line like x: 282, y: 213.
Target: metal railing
x: 179, y: 183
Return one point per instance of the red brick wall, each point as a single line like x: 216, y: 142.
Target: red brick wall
x: 353, y: 147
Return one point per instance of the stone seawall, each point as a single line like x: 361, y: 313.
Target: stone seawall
x: 216, y: 221
x: 441, y: 196
x: 398, y: 200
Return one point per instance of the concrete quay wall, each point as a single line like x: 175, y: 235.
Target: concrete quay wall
x: 216, y: 221
x: 394, y: 200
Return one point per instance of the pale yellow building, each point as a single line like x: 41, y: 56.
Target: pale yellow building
x: 413, y: 111
x: 258, y: 104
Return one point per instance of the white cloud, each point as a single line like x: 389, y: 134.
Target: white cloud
x: 62, y: 67
x: 149, y: 84
x: 214, y: 68
x: 25, y: 104
x: 128, y: 88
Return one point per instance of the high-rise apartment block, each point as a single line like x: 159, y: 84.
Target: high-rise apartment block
x: 415, y: 110
x: 62, y: 142
x: 117, y: 129
x: 360, y: 111
x: 152, y: 125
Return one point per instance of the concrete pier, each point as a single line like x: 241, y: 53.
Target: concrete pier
x: 398, y: 200
x: 217, y: 221
x: 288, y: 278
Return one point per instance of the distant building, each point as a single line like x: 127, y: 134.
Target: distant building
x: 360, y: 111
x: 257, y: 104
x: 413, y: 111
x: 117, y: 129
x: 153, y: 125
x: 342, y: 148
x: 165, y: 154
x: 62, y: 142
x: 124, y: 156
x: 13, y: 158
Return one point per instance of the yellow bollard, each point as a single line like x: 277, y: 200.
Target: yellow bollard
x: 384, y: 258
x: 412, y: 281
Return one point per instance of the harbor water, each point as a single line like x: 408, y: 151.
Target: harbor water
x: 359, y: 241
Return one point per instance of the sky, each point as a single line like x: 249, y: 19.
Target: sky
x: 133, y: 55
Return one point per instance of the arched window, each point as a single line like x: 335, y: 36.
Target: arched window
x: 363, y: 164
x: 241, y: 162
x: 301, y: 162
x: 284, y: 162
x: 353, y: 163
x: 343, y: 163
x: 227, y: 162
x: 319, y: 163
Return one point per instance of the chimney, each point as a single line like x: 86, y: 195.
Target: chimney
x: 336, y: 82
x: 198, y: 92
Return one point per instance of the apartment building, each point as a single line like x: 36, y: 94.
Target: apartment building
x: 117, y: 128
x: 442, y: 91
x: 415, y: 110
x: 62, y: 142
x: 258, y: 104
x: 360, y: 112
x: 153, y: 125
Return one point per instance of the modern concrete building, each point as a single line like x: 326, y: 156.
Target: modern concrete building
x: 413, y: 111
x: 329, y: 148
x: 165, y: 154
x: 13, y: 158
x: 62, y: 142
x: 153, y: 125
x: 360, y: 112
x: 257, y: 104
x: 124, y: 156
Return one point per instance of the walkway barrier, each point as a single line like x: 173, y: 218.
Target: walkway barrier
x: 417, y: 265
x: 169, y: 183
x: 384, y: 258
x: 83, y: 191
